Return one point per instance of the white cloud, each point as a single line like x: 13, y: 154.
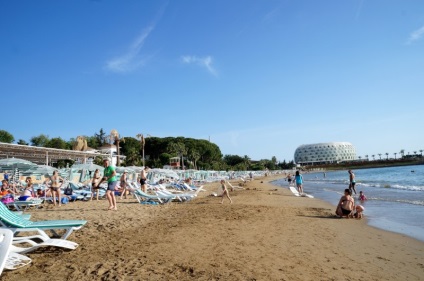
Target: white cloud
x: 130, y: 60
x: 416, y: 35
x: 204, y: 62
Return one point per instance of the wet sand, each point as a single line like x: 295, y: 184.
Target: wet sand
x: 266, y: 234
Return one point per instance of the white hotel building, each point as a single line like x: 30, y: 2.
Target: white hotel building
x: 323, y: 153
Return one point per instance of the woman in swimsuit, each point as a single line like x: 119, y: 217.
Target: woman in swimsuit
x: 123, y: 185
x: 95, y: 184
x: 346, y: 204
x: 28, y: 192
x: 55, y: 187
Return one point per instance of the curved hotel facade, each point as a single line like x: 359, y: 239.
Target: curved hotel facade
x: 321, y: 153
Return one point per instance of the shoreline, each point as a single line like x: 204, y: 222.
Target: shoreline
x: 266, y: 234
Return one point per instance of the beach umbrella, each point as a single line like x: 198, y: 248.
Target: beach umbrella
x: 136, y: 168
x: 90, y: 167
x: 16, y: 163
x: 124, y: 169
x: 40, y: 170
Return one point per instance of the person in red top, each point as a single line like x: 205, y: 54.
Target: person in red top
x: 4, y: 188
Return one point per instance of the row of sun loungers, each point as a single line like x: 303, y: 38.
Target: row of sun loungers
x: 13, y: 245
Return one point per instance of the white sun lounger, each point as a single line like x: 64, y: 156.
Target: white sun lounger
x: 8, y: 259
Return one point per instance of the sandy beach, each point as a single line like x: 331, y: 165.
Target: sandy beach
x: 266, y: 234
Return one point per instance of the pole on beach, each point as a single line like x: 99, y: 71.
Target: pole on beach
x: 142, y: 141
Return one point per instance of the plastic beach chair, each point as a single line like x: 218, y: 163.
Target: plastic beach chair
x: 15, y: 223
x: 10, y: 260
x: 23, y: 205
x: 60, y: 243
x: 143, y: 197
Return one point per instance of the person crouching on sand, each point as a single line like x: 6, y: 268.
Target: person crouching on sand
x: 359, y: 210
x: 225, y: 192
x: 346, y: 205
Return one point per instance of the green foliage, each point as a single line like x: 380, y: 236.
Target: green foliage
x: 40, y: 140
x: 58, y: 143
x: 131, y: 149
x: 101, y: 137
x: 6, y: 137
x: 22, y: 142
x: 93, y: 142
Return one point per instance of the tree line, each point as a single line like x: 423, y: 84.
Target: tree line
x: 194, y: 153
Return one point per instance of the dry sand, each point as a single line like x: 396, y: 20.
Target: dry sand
x: 266, y: 234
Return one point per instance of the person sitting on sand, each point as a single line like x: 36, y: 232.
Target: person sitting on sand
x: 225, y: 192
x: 359, y: 210
x: 346, y: 204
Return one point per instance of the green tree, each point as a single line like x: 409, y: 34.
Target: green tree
x: 22, y: 142
x: 131, y: 149
x: 40, y: 140
x: 101, y: 137
x: 178, y: 149
x: 58, y: 143
x: 6, y: 137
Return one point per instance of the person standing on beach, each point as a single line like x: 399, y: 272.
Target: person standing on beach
x: 55, y: 187
x: 352, y: 181
x: 289, y: 179
x: 299, y: 182
x: 225, y: 192
x: 123, y: 185
x: 143, y: 179
x: 110, y: 176
x: 95, y: 184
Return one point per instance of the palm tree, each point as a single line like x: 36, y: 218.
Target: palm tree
x: 402, y: 152
x: 395, y: 155
x: 246, y: 160
x: 387, y: 156
x: 421, y: 151
x: 360, y: 157
x: 379, y: 154
x: 415, y: 153
x: 366, y: 156
x: 194, y: 155
x: 373, y: 157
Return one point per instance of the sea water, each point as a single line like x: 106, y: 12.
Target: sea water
x: 395, y: 195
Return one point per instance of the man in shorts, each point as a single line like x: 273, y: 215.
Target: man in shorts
x: 352, y: 181
x: 112, y: 180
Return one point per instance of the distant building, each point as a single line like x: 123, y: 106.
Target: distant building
x: 323, y: 153
x: 111, y: 149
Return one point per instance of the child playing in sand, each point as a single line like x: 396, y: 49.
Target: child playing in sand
x: 225, y: 192
x: 359, y: 210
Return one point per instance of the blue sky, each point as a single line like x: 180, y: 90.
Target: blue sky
x: 258, y: 78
